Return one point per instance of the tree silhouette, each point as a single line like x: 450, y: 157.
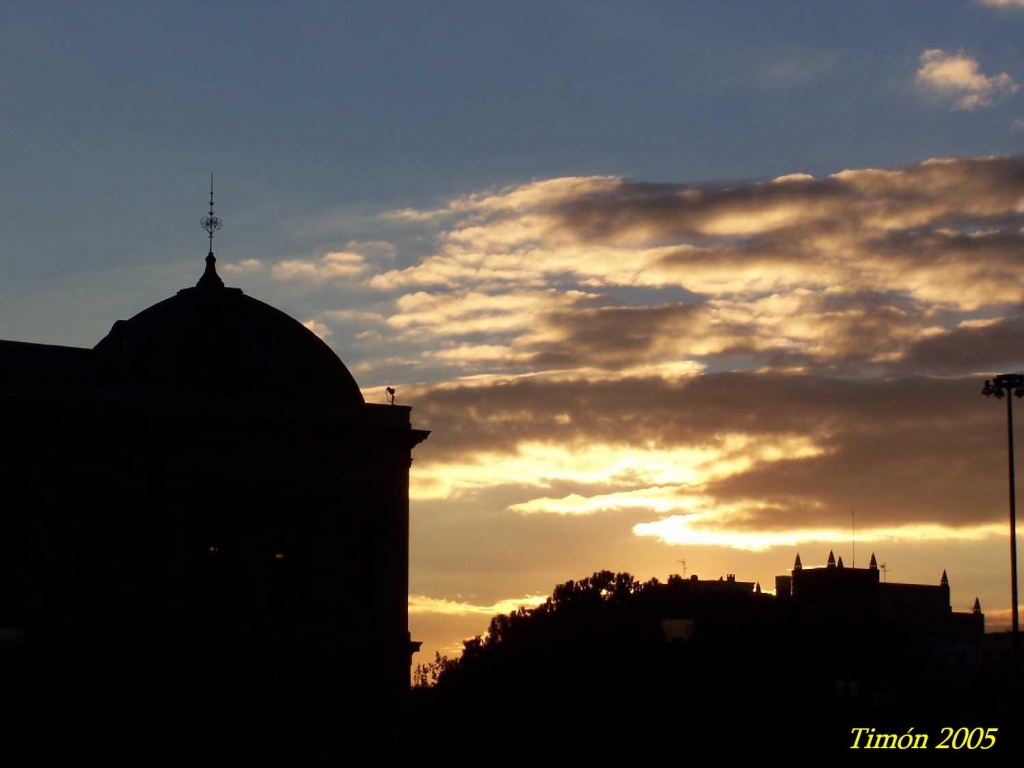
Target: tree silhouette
x: 426, y: 675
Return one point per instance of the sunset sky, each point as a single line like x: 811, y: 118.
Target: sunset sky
x: 667, y: 281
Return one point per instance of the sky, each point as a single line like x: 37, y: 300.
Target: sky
x: 674, y: 285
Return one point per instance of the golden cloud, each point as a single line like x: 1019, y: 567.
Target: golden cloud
x: 960, y: 76
x: 422, y: 604
x: 329, y: 266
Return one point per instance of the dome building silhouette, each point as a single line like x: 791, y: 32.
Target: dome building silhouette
x: 202, y: 516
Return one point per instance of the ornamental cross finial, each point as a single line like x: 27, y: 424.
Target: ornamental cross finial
x: 211, y: 223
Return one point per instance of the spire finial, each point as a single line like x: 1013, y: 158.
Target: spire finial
x: 211, y: 223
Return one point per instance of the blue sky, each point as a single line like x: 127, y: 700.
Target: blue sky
x: 514, y: 204
x: 116, y: 111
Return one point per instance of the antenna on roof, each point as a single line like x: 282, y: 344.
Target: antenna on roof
x: 391, y: 395
x: 884, y: 569
x: 684, y: 567
x: 210, y: 222
x: 853, y: 536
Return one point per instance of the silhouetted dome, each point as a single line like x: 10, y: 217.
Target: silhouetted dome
x: 218, y: 339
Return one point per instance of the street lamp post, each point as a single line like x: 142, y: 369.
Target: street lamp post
x: 1010, y: 385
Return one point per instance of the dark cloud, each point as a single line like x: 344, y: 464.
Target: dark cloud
x: 618, y: 336
x: 992, y: 347
x: 688, y: 411
x: 944, y: 193
x: 836, y: 333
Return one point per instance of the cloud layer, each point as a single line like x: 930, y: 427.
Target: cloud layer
x: 612, y: 366
x: 867, y: 271
x: 734, y: 362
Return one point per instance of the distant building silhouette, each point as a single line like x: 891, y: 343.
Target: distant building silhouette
x: 857, y: 594
x: 203, y: 509
x: 726, y: 585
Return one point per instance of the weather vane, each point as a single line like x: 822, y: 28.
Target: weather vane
x: 211, y: 223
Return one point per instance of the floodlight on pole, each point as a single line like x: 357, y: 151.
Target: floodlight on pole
x: 1010, y: 385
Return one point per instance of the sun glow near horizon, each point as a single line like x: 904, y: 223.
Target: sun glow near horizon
x: 635, y: 467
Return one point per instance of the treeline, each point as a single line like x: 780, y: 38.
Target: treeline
x: 595, y: 667
x: 593, y: 605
